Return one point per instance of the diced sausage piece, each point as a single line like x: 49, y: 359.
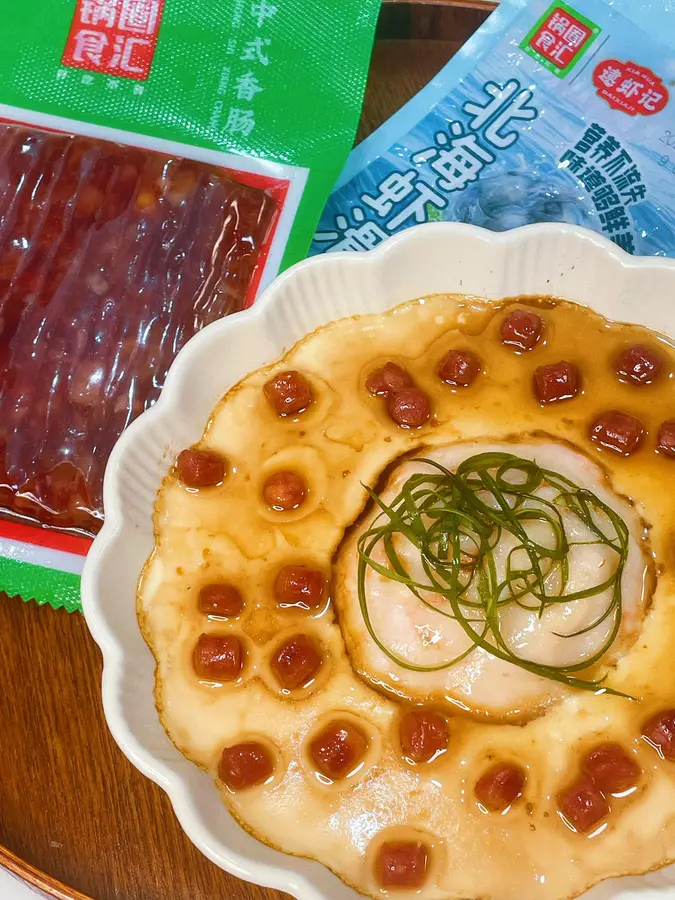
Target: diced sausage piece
x: 218, y: 657
x: 220, y: 599
x: 296, y: 662
x: 459, y: 368
x: 611, y: 769
x: 497, y: 788
x: 391, y: 377
x: 181, y: 182
x: 200, y: 468
x: 617, y: 431
x: 638, y: 364
x: 557, y: 381
x: 245, y: 765
x: 409, y: 407
x: 423, y: 735
x: 402, y: 864
x: 660, y: 731
x: 521, y: 329
x: 583, y: 804
x: 289, y: 393
x: 338, y: 749
x: 299, y: 586
x: 666, y: 438
x: 284, y: 490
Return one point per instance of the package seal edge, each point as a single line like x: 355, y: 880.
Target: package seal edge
x: 34, y: 583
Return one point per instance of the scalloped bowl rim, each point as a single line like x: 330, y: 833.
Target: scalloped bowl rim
x: 297, y: 877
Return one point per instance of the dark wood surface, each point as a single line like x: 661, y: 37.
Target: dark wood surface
x: 75, y: 817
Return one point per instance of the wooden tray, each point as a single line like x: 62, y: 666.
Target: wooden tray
x: 77, y: 821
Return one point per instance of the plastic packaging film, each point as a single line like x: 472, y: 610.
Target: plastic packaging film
x: 551, y: 112
x: 159, y: 163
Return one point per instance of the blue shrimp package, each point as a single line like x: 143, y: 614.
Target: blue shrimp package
x: 552, y: 112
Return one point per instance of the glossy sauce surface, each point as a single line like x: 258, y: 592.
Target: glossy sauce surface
x: 346, y: 437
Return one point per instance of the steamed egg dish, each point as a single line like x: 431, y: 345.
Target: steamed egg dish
x: 412, y: 600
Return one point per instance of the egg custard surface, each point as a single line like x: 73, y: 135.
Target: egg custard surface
x: 412, y: 600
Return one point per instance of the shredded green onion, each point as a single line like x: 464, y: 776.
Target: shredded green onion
x: 456, y: 520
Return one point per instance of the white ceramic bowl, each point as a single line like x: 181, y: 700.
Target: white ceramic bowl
x: 439, y: 258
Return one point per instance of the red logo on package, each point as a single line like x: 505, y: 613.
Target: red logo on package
x: 633, y: 89
x: 561, y: 38
x: 116, y: 37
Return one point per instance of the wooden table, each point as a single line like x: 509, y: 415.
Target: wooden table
x: 76, y: 819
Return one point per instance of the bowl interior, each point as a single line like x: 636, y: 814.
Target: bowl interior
x: 553, y: 260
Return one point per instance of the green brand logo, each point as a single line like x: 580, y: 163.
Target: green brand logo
x: 560, y: 38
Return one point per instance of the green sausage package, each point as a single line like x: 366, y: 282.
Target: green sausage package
x: 160, y: 162
x: 554, y: 111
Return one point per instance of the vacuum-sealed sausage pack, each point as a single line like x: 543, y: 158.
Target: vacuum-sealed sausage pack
x: 160, y: 162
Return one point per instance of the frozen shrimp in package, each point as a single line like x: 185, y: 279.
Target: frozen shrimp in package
x: 552, y: 112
